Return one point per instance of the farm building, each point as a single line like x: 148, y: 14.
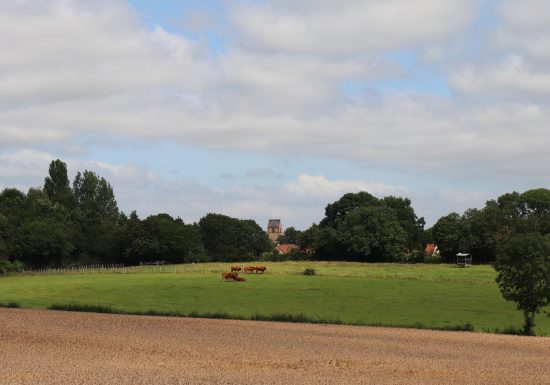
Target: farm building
x: 285, y: 248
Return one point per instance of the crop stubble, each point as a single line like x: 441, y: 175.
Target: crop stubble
x: 49, y: 347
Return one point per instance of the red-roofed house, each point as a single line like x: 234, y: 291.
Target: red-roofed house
x: 286, y: 248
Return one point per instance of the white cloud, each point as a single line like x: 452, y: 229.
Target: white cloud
x: 319, y: 186
x: 509, y: 79
x: 403, y: 132
x: 514, y: 54
x: 346, y: 27
x: 60, y: 50
x: 23, y: 169
x: 525, y: 14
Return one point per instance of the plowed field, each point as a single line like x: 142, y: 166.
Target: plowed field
x: 48, y: 347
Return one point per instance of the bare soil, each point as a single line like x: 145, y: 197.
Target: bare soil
x: 48, y: 347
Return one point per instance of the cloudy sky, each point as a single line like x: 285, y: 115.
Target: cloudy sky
x: 261, y: 109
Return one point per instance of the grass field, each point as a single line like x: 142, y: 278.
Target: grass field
x: 388, y: 294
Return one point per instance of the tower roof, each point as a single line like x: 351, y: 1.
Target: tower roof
x: 274, y: 223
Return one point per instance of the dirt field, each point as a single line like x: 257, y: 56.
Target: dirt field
x: 47, y: 347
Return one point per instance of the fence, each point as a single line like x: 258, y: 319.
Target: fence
x: 120, y: 268
x: 191, y: 268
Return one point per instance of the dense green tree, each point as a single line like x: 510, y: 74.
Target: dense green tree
x: 324, y: 241
x: 408, y: 221
x: 96, y: 218
x: 13, y: 207
x: 56, y: 184
x: 448, y: 233
x: 161, y: 237
x: 94, y: 195
x: 478, y: 235
x: 523, y: 266
x: 229, y: 239
x: 373, y: 233
x: 41, y: 242
x: 291, y: 235
x: 336, y: 212
x: 535, y: 210
x: 3, y: 243
x: 4, y: 231
x: 367, y: 228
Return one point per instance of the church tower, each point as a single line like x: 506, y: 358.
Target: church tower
x: 274, y: 230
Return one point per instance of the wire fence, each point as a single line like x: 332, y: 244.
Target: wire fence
x: 122, y: 269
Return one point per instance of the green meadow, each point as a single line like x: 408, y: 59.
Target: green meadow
x: 367, y: 294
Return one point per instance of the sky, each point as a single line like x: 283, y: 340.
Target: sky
x: 273, y: 109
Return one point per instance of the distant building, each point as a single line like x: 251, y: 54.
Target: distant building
x: 274, y: 230
x: 286, y: 248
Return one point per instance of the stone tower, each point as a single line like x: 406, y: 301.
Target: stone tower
x: 274, y: 230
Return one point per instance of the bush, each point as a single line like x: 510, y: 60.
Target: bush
x: 510, y: 330
x: 10, y: 267
x: 273, y: 256
x: 309, y: 271
x: 432, y: 259
x: 11, y: 304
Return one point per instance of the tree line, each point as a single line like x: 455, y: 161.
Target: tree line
x: 62, y: 224
x: 80, y: 223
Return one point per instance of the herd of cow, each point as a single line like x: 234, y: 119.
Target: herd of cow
x: 234, y: 274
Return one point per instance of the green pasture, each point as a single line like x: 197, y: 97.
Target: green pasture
x: 389, y: 294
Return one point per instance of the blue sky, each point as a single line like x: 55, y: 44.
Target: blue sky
x: 261, y: 109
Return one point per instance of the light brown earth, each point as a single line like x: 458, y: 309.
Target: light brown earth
x: 48, y: 347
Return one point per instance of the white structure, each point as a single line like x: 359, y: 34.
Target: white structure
x: 463, y: 260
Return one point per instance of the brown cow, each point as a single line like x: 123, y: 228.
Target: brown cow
x: 235, y: 268
x: 229, y: 276
x: 260, y: 269
x: 241, y: 279
x: 248, y: 269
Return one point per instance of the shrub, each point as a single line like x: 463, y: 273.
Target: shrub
x: 10, y: 304
x: 83, y: 308
x: 10, y: 267
x: 432, y: 259
x: 309, y: 271
x: 511, y: 330
x: 274, y: 256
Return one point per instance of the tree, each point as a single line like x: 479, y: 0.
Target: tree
x: 56, y: 184
x: 41, y: 242
x: 478, y: 234
x: 409, y: 222
x: 367, y: 228
x: 523, y: 266
x: 447, y: 233
x: 94, y: 195
x: 535, y: 210
x: 231, y: 239
x: 96, y: 218
x: 161, y: 237
x: 373, y: 233
x: 13, y: 207
x: 291, y: 235
x: 336, y: 212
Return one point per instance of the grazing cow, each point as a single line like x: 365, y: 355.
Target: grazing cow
x: 235, y: 268
x: 248, y: 269
x: 241, y: 279
x: 229, y: 276
x: 260, y: 269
